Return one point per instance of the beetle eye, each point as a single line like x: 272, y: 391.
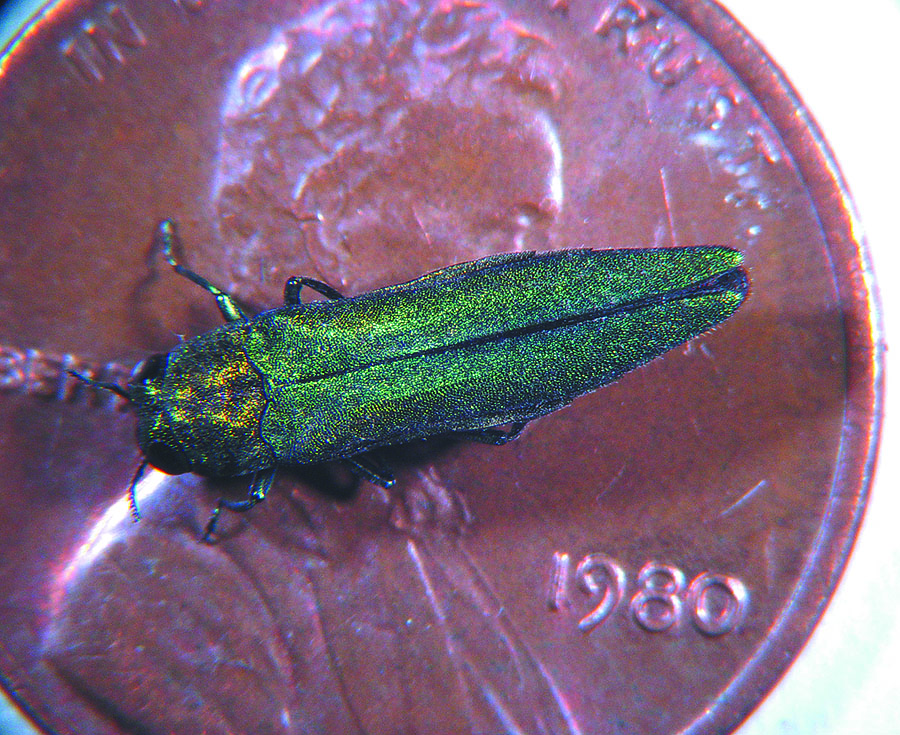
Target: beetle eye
x: 170, y: 460
x: 152, y: 367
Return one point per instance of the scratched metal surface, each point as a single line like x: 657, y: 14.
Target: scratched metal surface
x: 462, y: 601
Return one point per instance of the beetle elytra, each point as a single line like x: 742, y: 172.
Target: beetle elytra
x: 468, y: 349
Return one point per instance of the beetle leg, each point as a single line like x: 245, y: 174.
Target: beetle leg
x: 132, y: 497
x: 168, y: 236
x: 259, y: 486
x: 295, y: 284
x: 369, y: 469
x: 497, y: 437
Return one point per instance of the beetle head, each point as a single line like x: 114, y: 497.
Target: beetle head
x: 156, y: 434
x: 199, y: 408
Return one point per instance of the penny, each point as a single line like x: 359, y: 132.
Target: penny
x: 648, y: 560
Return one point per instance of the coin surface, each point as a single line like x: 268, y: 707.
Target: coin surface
x: 647, y: 560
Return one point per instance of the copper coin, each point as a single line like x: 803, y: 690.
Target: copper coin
x: 648, y: 560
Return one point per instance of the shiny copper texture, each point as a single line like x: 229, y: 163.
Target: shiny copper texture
x: 646, y: 561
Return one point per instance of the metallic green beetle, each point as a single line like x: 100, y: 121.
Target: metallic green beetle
x: 468, y: 348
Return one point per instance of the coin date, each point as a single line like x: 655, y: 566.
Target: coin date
x: 661, y: 598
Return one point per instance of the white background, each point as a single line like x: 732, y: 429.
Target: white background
x: 843, y: 56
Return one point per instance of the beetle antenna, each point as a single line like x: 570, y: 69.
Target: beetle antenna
x: 132, y: 491
x: 111, y: 387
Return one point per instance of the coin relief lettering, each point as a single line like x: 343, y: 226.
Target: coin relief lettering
x: 747, y: 161
x: 623, y: 20
x: 44, y: 375
x: 660, y: 599
x: 101, y: 43
x: 600, y: 576
x: 638, y: 28
x: 670, y: 64
x: 711, y: 111
x: 741, y: 162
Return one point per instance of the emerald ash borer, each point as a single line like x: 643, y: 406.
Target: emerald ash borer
x: 468, y: 349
